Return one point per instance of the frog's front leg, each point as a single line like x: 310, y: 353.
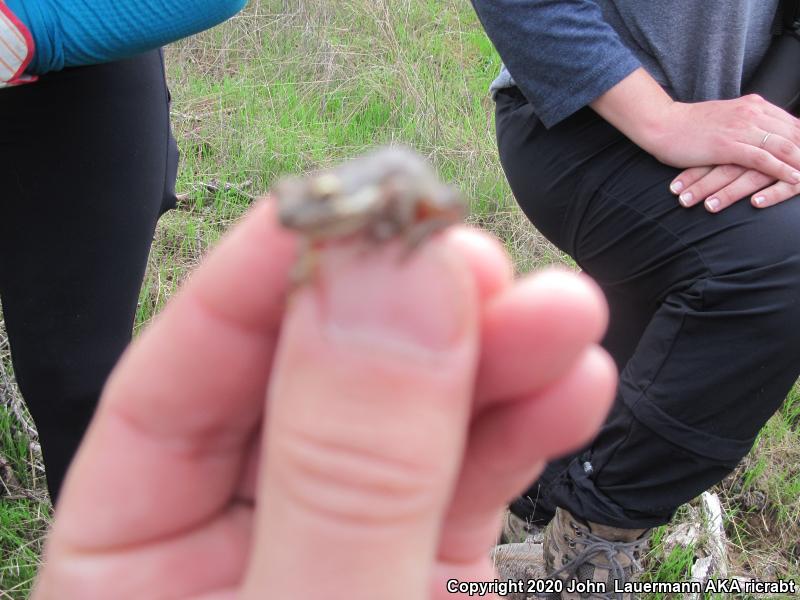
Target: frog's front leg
x: 306, y: 265
x: 421, y: 231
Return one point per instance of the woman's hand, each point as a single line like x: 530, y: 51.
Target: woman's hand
x: 749, y: 131
x: 719, y: 187
x: 357, y: 442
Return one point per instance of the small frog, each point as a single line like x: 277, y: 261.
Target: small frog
x: 391, y: 192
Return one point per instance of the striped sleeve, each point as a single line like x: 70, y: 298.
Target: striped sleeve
x: 16, y: 49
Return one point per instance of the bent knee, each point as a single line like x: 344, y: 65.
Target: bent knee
x: 760, y: 277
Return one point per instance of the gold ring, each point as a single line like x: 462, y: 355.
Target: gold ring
x: 764, y: 140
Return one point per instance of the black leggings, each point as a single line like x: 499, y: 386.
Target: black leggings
x: 705, y: 315
x: 87, y: 165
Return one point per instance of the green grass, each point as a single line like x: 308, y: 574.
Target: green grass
x: 22, y: 525
x: 24, y: 510
x: 292, y: 86
x: 674, y: 565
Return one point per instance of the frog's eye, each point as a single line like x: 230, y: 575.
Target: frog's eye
x: 326, y: 186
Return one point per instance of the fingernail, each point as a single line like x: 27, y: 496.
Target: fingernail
x: 686, y: 198
x: 759, y: 200
x: 796, y: 176
x: 712, y: 204
x: 676, y: 187
x: 422, y: 301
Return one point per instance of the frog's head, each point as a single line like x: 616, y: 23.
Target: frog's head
x: 320, y: 207
x: 302, y: 203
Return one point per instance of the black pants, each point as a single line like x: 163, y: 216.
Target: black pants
x: 87, y: 165
x: 705, y: 315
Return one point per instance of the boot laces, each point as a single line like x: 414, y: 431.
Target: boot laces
x: 596, y: 545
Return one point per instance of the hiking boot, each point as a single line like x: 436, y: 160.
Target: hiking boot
x: 517, y: 530
x: 589, y: 557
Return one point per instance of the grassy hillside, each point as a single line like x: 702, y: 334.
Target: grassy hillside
x: 292, y: 85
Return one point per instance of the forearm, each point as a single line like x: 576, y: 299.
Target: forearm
x: 638, y: 106
x: 698, y: 134
x: 71, y: 33
x: 562, y: 54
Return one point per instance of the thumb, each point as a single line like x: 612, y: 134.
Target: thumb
x: 367, y: 415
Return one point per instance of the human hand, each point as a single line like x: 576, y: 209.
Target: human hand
x: 356, y: 442
x: 719, y: 187
x: 747, y: 131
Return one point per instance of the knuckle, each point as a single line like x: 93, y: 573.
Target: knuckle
x: 350, y: 484
x: 786, y: 148
x: 694, y: 173
x: 754, y: 99
x: 754, y: 178
x: 730, y: 171
x: 761, y: 159
x: 746, y: 113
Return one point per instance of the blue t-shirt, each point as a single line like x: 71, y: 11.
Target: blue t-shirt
x: 563, y: 55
